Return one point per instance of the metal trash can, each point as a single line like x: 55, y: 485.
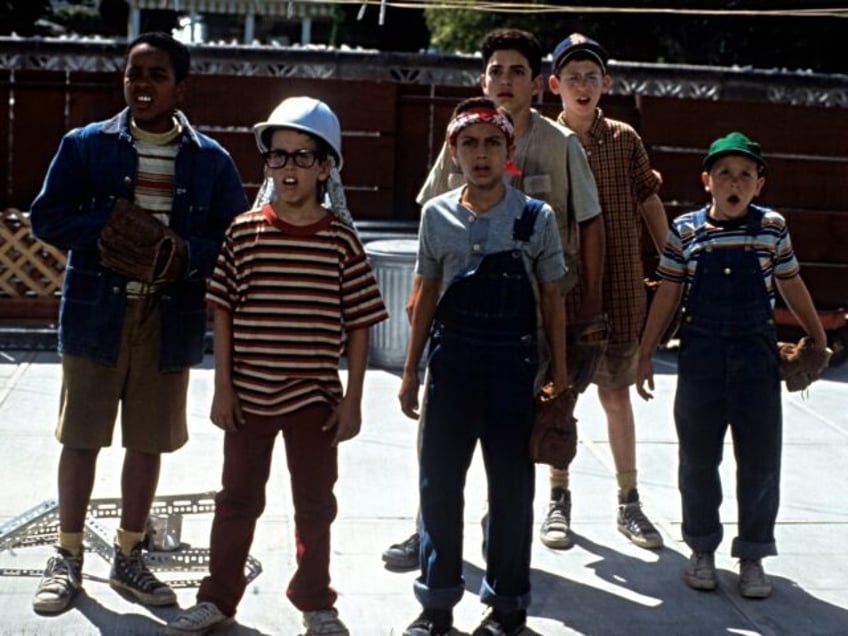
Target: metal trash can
x: 393, y: 262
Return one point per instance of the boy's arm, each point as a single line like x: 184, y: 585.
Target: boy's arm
x: 553, y: 319
x: 592, y: 254
x: 663, y: 308
x: 798, y: 299
x: 422, y: 317
x: 226, y: 411
x: 653, y: 213
x: 347, y: 416
x: 56, y: 213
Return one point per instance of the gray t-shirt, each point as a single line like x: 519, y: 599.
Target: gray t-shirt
x: 451, y: 235
x: 553, y: 168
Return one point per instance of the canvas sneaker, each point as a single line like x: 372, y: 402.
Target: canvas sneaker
x: 753, y: 582
x: 324, y: 623
x: 431, y: 622
x: 700, y: 573
x: 633, y: 523
x: 130, y: 574
x: 556, y: 528
x: 404, y: 555
x: 200, y: 619
x: 59, y: 584
x: 497, y: 623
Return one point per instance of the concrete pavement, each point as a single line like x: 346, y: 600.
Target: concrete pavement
x: 603, y: 585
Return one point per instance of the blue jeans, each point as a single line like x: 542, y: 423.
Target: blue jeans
x: 728, y: 378
x: 479, y: 388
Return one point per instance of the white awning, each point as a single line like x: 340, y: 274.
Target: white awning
x: 282, y: 8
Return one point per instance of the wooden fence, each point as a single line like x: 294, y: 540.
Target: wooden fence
x: 391, y: 133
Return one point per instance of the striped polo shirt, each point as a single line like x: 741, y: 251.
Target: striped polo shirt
x: 693, y: 233
x: 293, y: 292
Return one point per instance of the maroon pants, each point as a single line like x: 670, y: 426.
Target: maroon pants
x: 313, y: 469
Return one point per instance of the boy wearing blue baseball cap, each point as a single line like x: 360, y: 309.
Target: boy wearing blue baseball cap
x: 723, y: 263
x: 627, y: 189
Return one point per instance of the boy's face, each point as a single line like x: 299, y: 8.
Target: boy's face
x: 733, y: 181
x: 509, y: 82
x: 296, y: 182
x: 481, y: 151
x: 150, y: 88
x: 580, y: 84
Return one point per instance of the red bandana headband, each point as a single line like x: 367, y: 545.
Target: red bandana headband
x: 480, y: 116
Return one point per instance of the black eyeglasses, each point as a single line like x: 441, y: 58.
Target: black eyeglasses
x: 302, y: 158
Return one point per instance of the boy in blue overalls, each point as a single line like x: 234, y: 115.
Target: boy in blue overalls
x: 724, y: 262
x: 491, y: 262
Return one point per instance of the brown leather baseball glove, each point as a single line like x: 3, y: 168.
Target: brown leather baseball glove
x: 554, y: 437
x: 134, y: 243
x: 586, y: 343
x: 801, y: 363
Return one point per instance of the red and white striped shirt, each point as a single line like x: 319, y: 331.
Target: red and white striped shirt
x: 292, y: 291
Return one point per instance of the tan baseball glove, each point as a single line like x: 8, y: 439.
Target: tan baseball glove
x: 801, y: 363
x: 586, y: 343
x: 134, y: 243
x: 554, y: 437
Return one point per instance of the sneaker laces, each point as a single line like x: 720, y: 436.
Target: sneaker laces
x: 136, y: 570
x: 324, y: 622
x: 201, y: 613
x: 559, y: 511
x: 60, y: 571
x: 635, y: 519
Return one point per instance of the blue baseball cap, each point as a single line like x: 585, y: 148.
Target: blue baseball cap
x: 578, y: 43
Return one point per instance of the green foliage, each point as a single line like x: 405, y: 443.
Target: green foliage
x: 758, y: 41
x: 21, y: 16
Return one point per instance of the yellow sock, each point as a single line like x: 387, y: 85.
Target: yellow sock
x: 71, y: 542
x: 626, y: 482
x: 559, y: 478
x: 127, y: 540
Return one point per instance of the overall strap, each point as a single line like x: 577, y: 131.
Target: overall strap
x: 522, y: 228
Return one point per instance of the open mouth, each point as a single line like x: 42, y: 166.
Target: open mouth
x: 143, y: 99
x: 733, y: 199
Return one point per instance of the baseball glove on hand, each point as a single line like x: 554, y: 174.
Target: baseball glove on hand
x: 801, y: 364
x: 554, y: 437
x: 586, y: 342
x: 134, y: 243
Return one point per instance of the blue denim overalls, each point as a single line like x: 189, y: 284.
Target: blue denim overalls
x: 482, y: 365
x: 728, y: 375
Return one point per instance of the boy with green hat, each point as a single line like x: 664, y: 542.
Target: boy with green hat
x: 627, y: 189
x: 723, y: 262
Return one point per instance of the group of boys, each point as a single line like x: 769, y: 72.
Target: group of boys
x: 529, y: 228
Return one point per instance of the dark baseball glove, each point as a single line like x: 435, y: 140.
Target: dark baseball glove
x: 586, y: 342
x: 801, y: 363
x: 554, y: 437
x: 134, y: 243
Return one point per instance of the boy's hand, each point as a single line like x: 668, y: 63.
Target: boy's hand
x: 346, y: 419
x: 408, y: 394
x: 226, y: 411
x: 645, y: 373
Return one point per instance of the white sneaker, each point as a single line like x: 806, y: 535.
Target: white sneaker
x: 200, y: 619
x: 324, y: 623
x: 753, y: 582
x: 700, y: 572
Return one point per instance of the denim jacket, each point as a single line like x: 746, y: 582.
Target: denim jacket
x: 97, y: 164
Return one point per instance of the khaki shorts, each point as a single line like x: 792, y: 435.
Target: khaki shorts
x: 617, y: 368
x: 152, y: 404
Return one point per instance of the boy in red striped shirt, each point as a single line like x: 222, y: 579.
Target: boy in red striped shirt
x: 291, y: 286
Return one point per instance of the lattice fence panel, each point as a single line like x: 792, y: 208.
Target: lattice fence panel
x: 28, y: 267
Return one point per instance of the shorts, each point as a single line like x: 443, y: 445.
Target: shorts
x: 153, y: 404
x: 617, y: 368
